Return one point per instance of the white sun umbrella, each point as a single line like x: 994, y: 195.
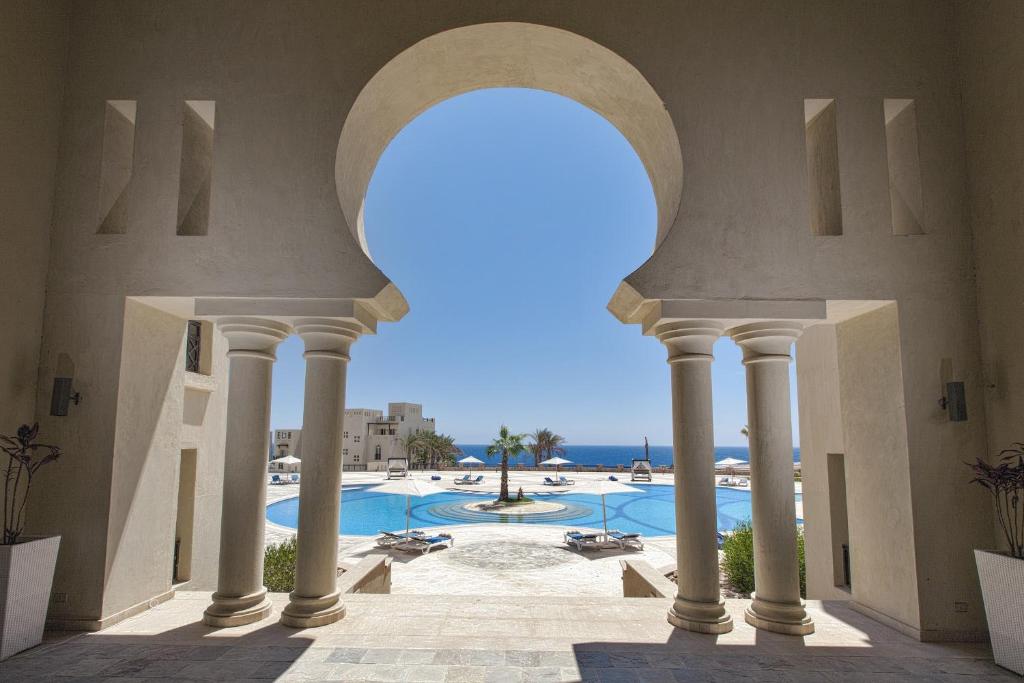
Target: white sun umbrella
x: 730, y: 462
x: 556, y: 461
x: 408, y: 488
x: 470, y: 460
x: 602, y: 488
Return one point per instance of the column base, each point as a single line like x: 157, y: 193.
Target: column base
x: 306, y: 612
x: 700, y: 617
x: 228, y: 611
x: 779, y: 617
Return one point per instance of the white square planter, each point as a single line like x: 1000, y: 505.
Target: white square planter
x: 26, y: 576
x: 1002, y: 586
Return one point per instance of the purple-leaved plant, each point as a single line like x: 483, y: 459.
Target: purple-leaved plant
x: 25, y: 457
x: 1005, y: 481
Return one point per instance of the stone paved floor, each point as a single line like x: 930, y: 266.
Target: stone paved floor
x: 509, y: 559
x: 494, y: 639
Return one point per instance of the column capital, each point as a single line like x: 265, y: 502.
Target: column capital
x: 253, y: 336
x: 327, y: 336
x: 689, y: 339
x: 766, y: 339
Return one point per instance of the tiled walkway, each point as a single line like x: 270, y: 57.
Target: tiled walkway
x: 445, y: 638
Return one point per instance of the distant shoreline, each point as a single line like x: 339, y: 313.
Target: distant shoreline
x: 591, y: 455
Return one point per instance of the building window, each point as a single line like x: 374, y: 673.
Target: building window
x: 376, y: 453
x: 193, y: 346
x: 355, y: 458
x: 344, y: 451
x: 356, y: 439
x: 344, y: 435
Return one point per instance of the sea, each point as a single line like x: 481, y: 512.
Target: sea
x: 609, y: 456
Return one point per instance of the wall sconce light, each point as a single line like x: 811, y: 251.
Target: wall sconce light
x: 63, y: 393
x: 955, y: 402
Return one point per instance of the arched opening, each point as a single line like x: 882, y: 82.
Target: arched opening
x: 408, y: 94
x: 511, y: 55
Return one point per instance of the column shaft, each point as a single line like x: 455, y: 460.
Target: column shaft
x: 315, y: 600
x: 776, y: 602
x: 698, y: 605
x: 241, y: 597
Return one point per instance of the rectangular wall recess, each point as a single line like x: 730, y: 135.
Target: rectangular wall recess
x: 838, y: 520
x: 904, y: 167
x: 116, y: 166
x: 823, y: 166
x: 184, y: 523
x: 196, y: 166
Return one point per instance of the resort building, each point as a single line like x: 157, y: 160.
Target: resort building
x: 369, y: 437
x: 285, y: 442
x: 183, y: 189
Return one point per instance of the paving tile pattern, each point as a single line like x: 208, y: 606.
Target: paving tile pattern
x: 494, y: 640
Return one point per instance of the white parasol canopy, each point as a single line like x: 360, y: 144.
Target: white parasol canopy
x: 408, y: 488
x: 605, y: 487
x: 287, y: 460
x: 730, y: 462
x: 470, y: 460
x: 556, y: 461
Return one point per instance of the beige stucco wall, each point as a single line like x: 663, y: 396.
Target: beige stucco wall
x: 991, y: 61
x: 147, y: 449
x: 821, y: 433
x: 283, y: 78
x: 871, y: 393
x: 33, y: 45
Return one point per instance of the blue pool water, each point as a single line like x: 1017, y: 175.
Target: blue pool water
x: 652, y: 512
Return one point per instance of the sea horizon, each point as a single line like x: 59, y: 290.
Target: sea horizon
x: 611, y: 455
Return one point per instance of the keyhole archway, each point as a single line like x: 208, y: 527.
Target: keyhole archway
x: 506, y: 55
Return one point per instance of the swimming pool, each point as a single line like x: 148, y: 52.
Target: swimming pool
x: 364, y: 513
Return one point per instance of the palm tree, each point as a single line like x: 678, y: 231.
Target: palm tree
x: 439, y: 449
x: 536, y: 446
x: 545, y: 443
x: 554, y: 445
x: 507, y: 445
x: 745, y: 431
x: 414, y: 446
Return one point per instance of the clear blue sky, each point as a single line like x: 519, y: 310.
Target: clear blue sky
x: 508, y: 217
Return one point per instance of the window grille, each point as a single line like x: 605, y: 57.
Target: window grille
x: 193, y: 346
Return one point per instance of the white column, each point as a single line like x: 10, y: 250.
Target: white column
x: 241, y: 597
x: 776, y: 602
x: 315, y: 600
x: 698, y: 604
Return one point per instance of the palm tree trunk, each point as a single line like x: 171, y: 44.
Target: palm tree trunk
x: 503, y: 491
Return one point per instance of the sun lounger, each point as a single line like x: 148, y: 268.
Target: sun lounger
x: 464, y: 479
x: 548, y: 481
x: 566, y: 482
x: 276, y: 479
x: 423, y: 544
x: 626, y: 541
x: 479, y: 479
x: 582, y: 541
x: 294, y: 479
x: 389, y: 540
x: 743, y: 481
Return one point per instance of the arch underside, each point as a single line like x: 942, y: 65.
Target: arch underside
x: 507, y: 54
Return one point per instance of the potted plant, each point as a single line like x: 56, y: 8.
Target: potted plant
x: 26, y: 562
x: 1001, y: 572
